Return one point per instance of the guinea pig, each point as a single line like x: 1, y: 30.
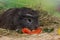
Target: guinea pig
x: 18, y: 18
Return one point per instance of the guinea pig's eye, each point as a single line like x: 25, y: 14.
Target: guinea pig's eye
x: 29, y: 20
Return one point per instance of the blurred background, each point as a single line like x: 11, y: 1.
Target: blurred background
x: 51, y: 6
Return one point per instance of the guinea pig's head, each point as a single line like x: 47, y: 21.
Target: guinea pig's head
x: 28, y: 18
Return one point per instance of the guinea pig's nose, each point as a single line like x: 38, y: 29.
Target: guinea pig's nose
x: 33, y: 28
x: 36, y: 25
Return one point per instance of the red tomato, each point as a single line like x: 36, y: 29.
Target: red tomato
x: 27, y: 31
x: 37, y: 31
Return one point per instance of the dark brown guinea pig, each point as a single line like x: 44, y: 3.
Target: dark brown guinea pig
x: 18, y: 18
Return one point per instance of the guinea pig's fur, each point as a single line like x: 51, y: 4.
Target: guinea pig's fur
x: 18, y: 18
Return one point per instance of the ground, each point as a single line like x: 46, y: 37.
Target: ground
x: 12, y: 35
x: 47, y: 21
x: 43, y: 36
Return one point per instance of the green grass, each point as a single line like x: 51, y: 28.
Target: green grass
x: 48, y: 5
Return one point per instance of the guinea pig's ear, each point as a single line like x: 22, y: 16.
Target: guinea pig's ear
x: 11, y: 10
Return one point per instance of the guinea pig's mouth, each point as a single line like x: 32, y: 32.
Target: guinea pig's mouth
x: 31, y: 28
